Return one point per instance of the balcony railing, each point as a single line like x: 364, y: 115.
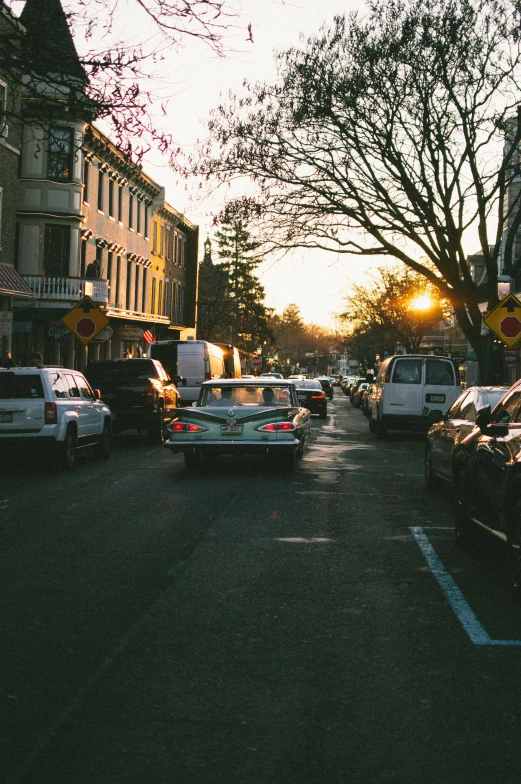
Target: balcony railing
x: 116, y: 309
x: 52, y: 289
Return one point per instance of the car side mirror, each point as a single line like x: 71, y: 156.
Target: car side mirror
x: 493, y: 430
x: 97, y: 394
x: 483, y: 418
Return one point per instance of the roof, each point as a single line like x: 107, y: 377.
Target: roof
x: 12, y: 284
x: 248, y: 382
x: 49, y: 42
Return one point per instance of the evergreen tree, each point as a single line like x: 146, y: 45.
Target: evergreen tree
x: 236, y: 249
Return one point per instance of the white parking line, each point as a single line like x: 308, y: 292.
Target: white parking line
x: 454, y: 596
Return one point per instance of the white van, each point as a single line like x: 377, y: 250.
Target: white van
x: 406, y: 387
x: 189, y: 363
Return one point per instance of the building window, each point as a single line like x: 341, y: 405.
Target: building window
x: 160, y: 299
x: 131, y: 212
x: 83, y: 258
x: 56, y: 250
x: 117, y: 287
x: 153, y: 296
x: 110, y: 271
x: 168, y: 243
x: 162, y: 241
x: 145, y: 231
x: 154, y: 237
x: 138, y: 221
x: 144, y: 291
x: 86, y: 169
x: 3, y: 103
x: 136, y: 289
x: 129, y: 286
x: 101, y: 183
x: 111, y: 198
x: 120, y: 204
x: 1, y: 194
x: 59, y: 156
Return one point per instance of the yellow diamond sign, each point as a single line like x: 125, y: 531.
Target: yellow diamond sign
x: 505, y: 320
x: 85, y: 320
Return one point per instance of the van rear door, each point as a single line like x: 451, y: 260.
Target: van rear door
x: 441, y: 389
x: 404, y: 395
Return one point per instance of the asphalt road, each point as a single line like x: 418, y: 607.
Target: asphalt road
x: 244, y: 627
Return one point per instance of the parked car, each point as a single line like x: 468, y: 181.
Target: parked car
x: 55, y: 409
x: 364, y: 399
x: 408, y: 385
x: 271, y: 375
x: 452, y: 427
x: 356, y: 400
x: 354, y: 387
x: 140, y: 393
x: 311, y: 395
x: 487, y: 479
x: 327, y: 386
x: 240, y: 416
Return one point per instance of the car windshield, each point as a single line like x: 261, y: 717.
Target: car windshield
x: 244, y: 396
x: 308, y: 384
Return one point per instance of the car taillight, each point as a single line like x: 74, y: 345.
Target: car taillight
x: 314, y: 397
x: 151, y: 393
x: 180, y: 427
x: 51, y: 414
x: 273, y: 426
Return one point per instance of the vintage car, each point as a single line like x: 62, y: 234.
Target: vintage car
x: 238, y: 416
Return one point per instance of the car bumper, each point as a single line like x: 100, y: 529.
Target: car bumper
x: 233, y: 447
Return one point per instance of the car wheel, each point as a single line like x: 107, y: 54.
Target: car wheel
x: 68, y: 450
x: 430, y: 478
x: 103, y: 446
x: 156, y: 433
x: 514, y: 538
x: 192, y: 460
x: 462, y: 523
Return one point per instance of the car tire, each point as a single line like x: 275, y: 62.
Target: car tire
x: 514, y: 537
x: 68, y: 450
x: 462, y: 523
x: 429, y: 476
x: 102, y: 449
x: 192, y: 460
x: 156, y: 433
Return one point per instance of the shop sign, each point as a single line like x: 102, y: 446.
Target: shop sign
x: 6, y: 322
x: 58, y: 330
x: 128, y: 333
x: 104, y: 335
x: 23, y: 326
x: 509, y: 358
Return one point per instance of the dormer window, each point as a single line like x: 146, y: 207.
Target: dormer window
x: 59, y: 157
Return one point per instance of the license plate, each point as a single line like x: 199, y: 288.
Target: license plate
x: 231, y: 428
x: 302, y: 398
x: 435, y: 398
x: 8, y: 417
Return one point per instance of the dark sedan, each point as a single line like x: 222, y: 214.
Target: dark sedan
x: 452, y: 427
x: 487, y: 479
x: 311, y: 396
x: 327, y: 386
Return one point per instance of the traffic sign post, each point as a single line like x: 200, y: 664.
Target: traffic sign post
x: 505, y: 320
x: 85, y: 320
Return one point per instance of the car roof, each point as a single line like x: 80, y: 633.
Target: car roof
x: 248, y: 382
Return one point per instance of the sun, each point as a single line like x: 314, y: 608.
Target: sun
x: 421, y: 302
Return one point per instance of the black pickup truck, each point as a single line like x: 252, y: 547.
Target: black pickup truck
x: 139, y: 392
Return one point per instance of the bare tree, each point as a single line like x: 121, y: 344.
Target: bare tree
x: 396, y: 306
x: 101, y: 75
x: 393, y: 134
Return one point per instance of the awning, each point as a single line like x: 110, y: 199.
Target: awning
x: 12, y: 284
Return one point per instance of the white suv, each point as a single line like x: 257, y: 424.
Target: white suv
x: 52, y: 407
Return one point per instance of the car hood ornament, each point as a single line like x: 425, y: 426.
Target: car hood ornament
x: 231, y: 412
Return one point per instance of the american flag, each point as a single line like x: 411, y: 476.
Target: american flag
x: 148, y: 336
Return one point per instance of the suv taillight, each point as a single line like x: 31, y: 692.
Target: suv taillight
x: 150, y: 393
x: 51, y: 414
x: 207, y: 376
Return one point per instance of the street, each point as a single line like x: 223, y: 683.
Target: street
x: 244, y: 626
